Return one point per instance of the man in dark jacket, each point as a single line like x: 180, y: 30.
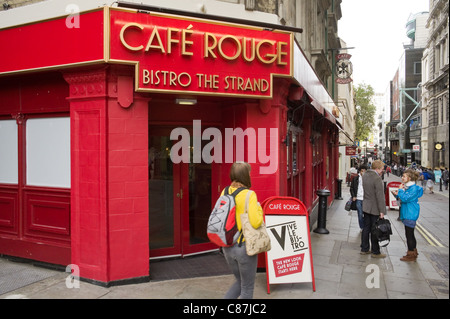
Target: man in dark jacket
x: 374, y: 207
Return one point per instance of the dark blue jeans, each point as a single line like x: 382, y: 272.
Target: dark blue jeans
x: 359, y: 204
x: 369, y: 221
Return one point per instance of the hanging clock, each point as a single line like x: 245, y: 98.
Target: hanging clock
x: 438, y: 146
x: 344, y: 69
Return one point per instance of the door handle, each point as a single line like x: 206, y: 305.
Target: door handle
x: 180, y: 194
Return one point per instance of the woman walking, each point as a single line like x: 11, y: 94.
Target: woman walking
x: 409, y: 194
x: 242, y: 265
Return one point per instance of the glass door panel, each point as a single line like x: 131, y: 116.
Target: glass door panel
x: 199, y: 201
x: 180, y: 199
x: 202, y: 187
x: 163, y: 214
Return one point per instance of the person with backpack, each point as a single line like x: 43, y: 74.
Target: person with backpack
x: 409, y: 193
x: 242, y: 265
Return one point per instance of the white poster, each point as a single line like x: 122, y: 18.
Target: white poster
x: 393, y: 202
x: 289, y: 259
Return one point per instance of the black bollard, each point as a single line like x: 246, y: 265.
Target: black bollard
x: 440, y: 184
x: 339, y: 190
x: 322, y: 217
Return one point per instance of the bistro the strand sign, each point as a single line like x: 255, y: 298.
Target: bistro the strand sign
x: 176, y: 54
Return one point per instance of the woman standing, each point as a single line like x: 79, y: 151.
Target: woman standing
x: 409, y: 194
x: 242, y: 265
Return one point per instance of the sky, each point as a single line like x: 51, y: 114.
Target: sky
x: 377, y: 31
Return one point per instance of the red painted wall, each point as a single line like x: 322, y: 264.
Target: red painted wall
x: 109, y: 178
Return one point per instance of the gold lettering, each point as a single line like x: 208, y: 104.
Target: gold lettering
x: 248, y: 85
x: 165, y: 77
x: 159, y: 46
x: 185, y: 42
x: 257, y: 84
x: 122, y: 37
x: 227, y: 85
x: 238, y: 47
x: 170, y: 39
x: 252, y: 50
x: 270, y: 55
x: 173, y: 77
x: 209, y: 49
x: 240, y: 84
x: 188, y: 78
x: 281, y: 53
x: 145, y: 77
x: 264, y: 85
x: 158, y: 80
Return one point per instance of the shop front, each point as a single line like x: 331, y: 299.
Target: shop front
x: 120, y: 137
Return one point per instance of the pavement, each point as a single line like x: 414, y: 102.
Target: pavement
x: 339, y: 269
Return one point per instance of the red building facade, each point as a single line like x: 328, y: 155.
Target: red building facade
x: 107, y: 167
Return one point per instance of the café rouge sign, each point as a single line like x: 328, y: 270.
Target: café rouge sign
x: 174, y: 54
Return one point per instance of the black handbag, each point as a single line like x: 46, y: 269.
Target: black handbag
x: 382, y: 231
x: 353, y: 206
x: 348, y: 205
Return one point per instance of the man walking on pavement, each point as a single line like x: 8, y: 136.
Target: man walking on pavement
x: 374, y: 207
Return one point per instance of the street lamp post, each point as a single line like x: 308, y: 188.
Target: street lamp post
x: 365, y: 151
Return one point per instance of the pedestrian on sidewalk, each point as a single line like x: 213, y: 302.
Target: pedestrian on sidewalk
x: 374, y: 207
x: 242, y: 265
x: 445, y: 177
x: 357, y: 193
x: 430, y: 179
x: 409, y: 194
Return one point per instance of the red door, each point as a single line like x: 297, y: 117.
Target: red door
x: 180, y: 199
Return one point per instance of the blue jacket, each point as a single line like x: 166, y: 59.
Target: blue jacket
x: 410, y: 208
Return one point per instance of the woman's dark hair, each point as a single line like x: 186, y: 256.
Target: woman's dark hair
x: 240, y: 172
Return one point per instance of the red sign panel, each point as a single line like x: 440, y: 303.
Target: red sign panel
x: 288, y: 265
x: 283, y: 205
x: 350, y: 150
x: 178, y: 54
x: 53, y: 43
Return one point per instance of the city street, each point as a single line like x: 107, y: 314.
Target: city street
x: 116, y: 144
x: 340, y: 271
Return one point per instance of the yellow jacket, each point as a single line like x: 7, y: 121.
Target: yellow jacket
x: 255, y: 213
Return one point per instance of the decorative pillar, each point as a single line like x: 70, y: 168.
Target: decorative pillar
x: 109, y: 177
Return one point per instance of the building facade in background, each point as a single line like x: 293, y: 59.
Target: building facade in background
x: 406, y: 122
x: 435, y: 75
